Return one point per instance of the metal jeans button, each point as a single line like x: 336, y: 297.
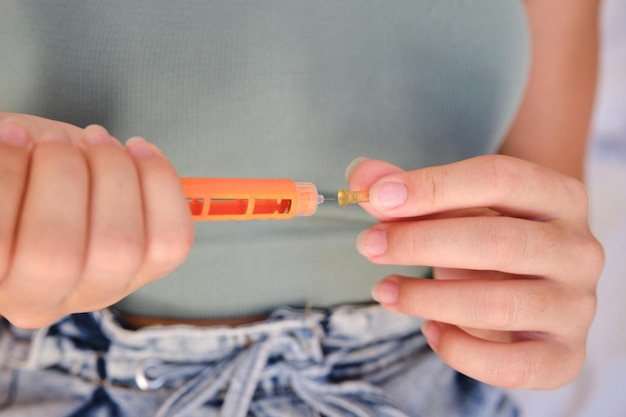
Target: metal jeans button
x: 143, y: 379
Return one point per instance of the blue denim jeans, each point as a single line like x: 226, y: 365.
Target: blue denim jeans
x: 349, y: 361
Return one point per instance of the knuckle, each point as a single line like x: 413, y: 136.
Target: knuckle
x: 506, y: 243
x: 589, y: 304
x: 497, y: 308
x: 588, y: 253
x: 577, y: 192
x: 594, y: 257
x: 170, y: 249
x: 501, y: 174
x: 567, y: 365
x: 586, y: 305
x: 405, y: 242
x: 576, y: 363
x: 431, y: 187
x: 574, y: 315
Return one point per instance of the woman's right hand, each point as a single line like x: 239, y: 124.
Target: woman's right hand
x: 84, y: 221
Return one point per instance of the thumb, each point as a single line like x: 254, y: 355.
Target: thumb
x: 362, y: 173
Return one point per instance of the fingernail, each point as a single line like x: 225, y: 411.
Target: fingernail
x: 14, y: 134
x: 432, y: 332
x: 355, y: 162
x: 386, y: 195
x: 372, y: 242
x: 139, y: 148
x: 96, y: 135
x: 386, y: 292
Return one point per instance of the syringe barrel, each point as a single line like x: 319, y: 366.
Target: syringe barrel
x: 249, y: 198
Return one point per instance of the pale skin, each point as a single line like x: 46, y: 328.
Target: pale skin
x: 516, y: 265
x: 84, y: 221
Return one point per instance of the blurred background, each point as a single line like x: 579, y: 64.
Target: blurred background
x: 600, y: 390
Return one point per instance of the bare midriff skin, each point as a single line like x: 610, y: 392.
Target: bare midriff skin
x: 137, y: 322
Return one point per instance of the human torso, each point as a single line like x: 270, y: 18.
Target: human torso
x: 278, y: 88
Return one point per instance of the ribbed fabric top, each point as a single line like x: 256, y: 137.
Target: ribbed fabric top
x: 273, y: 88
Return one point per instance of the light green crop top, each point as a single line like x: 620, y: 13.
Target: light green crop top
x: 273, y: 88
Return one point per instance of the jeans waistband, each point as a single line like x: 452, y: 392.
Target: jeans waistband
x: 298, y: 349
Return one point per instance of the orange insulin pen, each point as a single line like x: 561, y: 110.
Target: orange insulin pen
x: 258, y: 199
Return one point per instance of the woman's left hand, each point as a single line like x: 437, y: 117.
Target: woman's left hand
x: 515, y: 263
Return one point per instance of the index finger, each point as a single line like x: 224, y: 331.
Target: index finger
x: 508, y: 185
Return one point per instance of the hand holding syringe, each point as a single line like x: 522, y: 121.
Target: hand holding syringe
x: 258, y: 199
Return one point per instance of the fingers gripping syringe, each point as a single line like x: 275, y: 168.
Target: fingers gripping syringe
x: 257, y: 199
